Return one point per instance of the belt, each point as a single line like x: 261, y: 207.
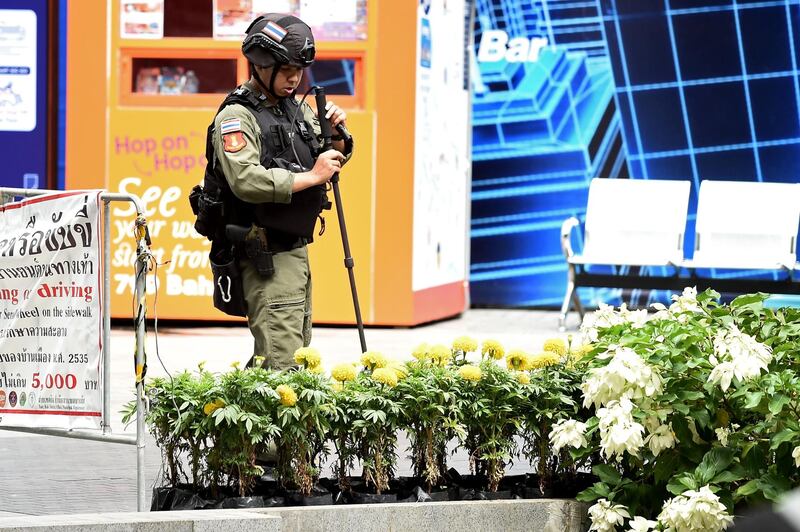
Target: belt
x: 272, y: 247
x: 280, y: 247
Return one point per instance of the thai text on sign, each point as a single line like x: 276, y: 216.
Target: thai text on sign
x: 50, y: 312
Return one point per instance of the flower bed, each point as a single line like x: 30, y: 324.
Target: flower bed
x: 684, y: 417
x: 213, y: 428
x: 695, y: 411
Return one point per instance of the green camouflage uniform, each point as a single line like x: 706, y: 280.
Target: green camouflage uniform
x: 278, y: 307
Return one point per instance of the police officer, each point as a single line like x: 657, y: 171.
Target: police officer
x: 267, y: 144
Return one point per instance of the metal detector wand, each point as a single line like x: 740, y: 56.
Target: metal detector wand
x: 325, y: 126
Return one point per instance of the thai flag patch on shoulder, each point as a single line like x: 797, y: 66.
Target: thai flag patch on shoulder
x: 230, y: 125
x: 274, y: 31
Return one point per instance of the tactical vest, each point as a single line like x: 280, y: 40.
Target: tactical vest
x: 291, y: 145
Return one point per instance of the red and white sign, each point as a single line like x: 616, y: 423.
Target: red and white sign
x: 50, y: 311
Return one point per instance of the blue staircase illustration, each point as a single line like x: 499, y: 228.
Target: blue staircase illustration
x: 541, y: 131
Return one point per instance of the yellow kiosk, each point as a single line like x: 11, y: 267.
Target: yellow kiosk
x: 145, y: 78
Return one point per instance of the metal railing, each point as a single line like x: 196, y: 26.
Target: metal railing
x: 142, y: 257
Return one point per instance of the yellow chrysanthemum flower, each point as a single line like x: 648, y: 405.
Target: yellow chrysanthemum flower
x: 210, y: 408
x: 258, y: 361
x: 385, y: 375
x: 307, y: 357
x: 579, y: 352
x: 470, y: 373
x: 399, y: 368
x: 235, y: 364
x: 287, y: 395
x: 337, y: 386
x: 542, y: 360
x: 373, y: 360
x: 316, y: 369
x: 517, y: 359
x: 440, y: 354
x: 555, y: 345
x: 344, y: 372
x: 523, y: 378
x: 201, y: 365
x: 421, y: 352
x: 493, y: 349
x: 465, y: 344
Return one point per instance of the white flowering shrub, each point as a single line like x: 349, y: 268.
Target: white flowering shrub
x: 693, y: 408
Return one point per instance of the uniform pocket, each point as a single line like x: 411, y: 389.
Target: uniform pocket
x: 285, y: 324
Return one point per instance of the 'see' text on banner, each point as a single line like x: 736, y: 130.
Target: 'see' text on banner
x: 50, y: 312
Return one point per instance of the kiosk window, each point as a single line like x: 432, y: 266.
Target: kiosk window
x: 336, y: 75
x: 155, y: 75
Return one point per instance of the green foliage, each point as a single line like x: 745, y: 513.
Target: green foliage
x: 491, y: 410
x: 700, y: 394
x: 431, y: 415
x: 374, y: 422
x: 304, y: 428
x: 216, y: 424
x: 735, y: 440
x: 552, y: 395
x: 241, y: 424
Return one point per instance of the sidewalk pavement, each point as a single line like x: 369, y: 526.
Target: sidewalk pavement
x: 53, y: 475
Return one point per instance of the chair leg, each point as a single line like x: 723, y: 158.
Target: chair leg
x: 568, y: 298
x: 578, y: 306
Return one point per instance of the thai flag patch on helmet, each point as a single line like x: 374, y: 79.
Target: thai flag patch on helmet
x: 274, y: 31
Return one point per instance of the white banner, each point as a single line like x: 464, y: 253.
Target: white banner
x: 50, y: 311
x: 442, y: 151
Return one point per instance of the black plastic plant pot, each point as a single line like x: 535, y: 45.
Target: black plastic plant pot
x: 513, y: 482
x: 452, y: 493
x: 242, y: 502
x: 519, y: 485
x: 438, y: 494
x: 477, y: 495
x: 403, y: 486
x: 319, y: 497
x: 371, y: 498
x: 471, y: 482
x: 570, y: 486
x: 265, y: 483
x: 534, y: 493
x: 273, y: 502
x: 358, y: 484
x: 420, y: 495
x: 183, y: 499
x: 532, y: 490
x: 162, y: 498
x: 330, y: 484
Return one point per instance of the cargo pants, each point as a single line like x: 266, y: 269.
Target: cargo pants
x: 279, y: 307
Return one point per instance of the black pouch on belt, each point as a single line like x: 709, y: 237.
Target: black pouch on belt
x: 228, y: 286
x: 253, y: 241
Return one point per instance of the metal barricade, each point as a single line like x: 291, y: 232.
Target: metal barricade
x: 142, y: 254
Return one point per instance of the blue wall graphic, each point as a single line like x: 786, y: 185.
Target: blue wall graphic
x: 24, y: 153
x: 542, y: 128
x: 656, y: 89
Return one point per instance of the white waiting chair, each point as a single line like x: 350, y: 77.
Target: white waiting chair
x: 633, y: 222
x: 746, y: 225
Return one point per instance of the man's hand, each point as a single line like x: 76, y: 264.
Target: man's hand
x: 327, y: 164
x: 334, y: 114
